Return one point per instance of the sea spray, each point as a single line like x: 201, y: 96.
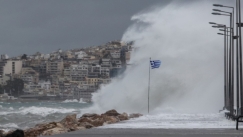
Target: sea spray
x: 190, y: 78
x: 27, y: 114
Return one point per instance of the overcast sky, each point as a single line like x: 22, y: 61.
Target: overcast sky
x: 28, y: 26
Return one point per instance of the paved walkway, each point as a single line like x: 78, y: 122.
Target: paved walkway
x: 97, y: 132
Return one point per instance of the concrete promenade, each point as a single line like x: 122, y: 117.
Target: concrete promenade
x: 104, y: 132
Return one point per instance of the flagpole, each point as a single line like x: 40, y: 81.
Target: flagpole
x: 149, y: 83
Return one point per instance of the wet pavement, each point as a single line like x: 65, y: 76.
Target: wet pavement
x: 98, y: 132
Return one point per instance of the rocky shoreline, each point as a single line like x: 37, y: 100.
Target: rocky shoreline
x: 72, y: 123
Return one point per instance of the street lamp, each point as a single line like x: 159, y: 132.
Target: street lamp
x: 231, y: 60
x: 216, y: 10
x: 222, y: 34
x: 217, y: 5
x: 239, y: 45
x: 216, y: 13
x: 231, y: 76
x: 212, y: 23
x: 225, y: 61
x: 224, y: 30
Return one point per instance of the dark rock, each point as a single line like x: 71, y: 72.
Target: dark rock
x: 16, y: 133
x: 123, y: 116
x: 112, y: 112
x: 39, y: 129
x: 110, y: 119
x: 86, y: 125
x: 89, y: 115
x: 70, y: 121
x: 95, y: 121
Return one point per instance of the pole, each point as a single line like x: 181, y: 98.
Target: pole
x: 230, y: 69
x: 237, y: 65
x: 225, y: 67
x: 149, y: 84
x: 227, y: 62
x: 240, y: 48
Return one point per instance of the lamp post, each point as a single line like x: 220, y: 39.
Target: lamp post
x: 231, y: 61
x: 238, y: 21
x: 225, y: 68
x: 225, y: 62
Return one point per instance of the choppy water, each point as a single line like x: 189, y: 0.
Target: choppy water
x: 27, y: 114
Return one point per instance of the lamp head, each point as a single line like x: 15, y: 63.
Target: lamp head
x: 217, y: 10
x: 215, y: 13
x: 215, y: 26
x: 217, y: 5
x: 212, y: 23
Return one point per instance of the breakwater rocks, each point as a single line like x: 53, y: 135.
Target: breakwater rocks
x: 71, y: 123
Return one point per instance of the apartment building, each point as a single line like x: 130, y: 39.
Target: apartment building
x: 28, y: 75
x: 54, y: 66
x: 10, y: 67
x: 115, y: 54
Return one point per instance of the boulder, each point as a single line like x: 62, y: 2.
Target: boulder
x: 39, y: 129
x: 135, y: 115
x: 32, y: 132
x: 95, y: 121
x: 84, y: 119
x: 59, y: 125
x: 123, y: 116
x: 54, y: 131
x: 86, y: 125
x: 45, y: 126
x: 112, y: 112
x: 70, y: 122
x: 73, y: 128
x: 81, y: 128
x: 110, y: 119
x: 89, y: 115
x: 16, y: 133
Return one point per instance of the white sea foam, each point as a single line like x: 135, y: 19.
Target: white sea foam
x: 178, y: 121
x: 43, y: 111
x: 73, y: 101
x: 70, y: 101
x: 81, y: 101
x: 9, y: 126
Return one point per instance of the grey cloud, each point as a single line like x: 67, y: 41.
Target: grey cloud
x: 29, y: 26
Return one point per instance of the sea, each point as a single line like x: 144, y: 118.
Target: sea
x: 23, y: 115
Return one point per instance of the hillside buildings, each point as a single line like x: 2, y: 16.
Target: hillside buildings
x: 74, y: 73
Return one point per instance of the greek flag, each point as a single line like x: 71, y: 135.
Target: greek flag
x: 155, y: 63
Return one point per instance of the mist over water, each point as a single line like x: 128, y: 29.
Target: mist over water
x: 190, y: 79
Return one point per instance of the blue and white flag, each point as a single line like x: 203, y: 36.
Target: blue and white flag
x: 155, y: 63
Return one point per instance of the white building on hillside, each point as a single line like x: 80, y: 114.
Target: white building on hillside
x: 80, y: 54
x: 115, y: 54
